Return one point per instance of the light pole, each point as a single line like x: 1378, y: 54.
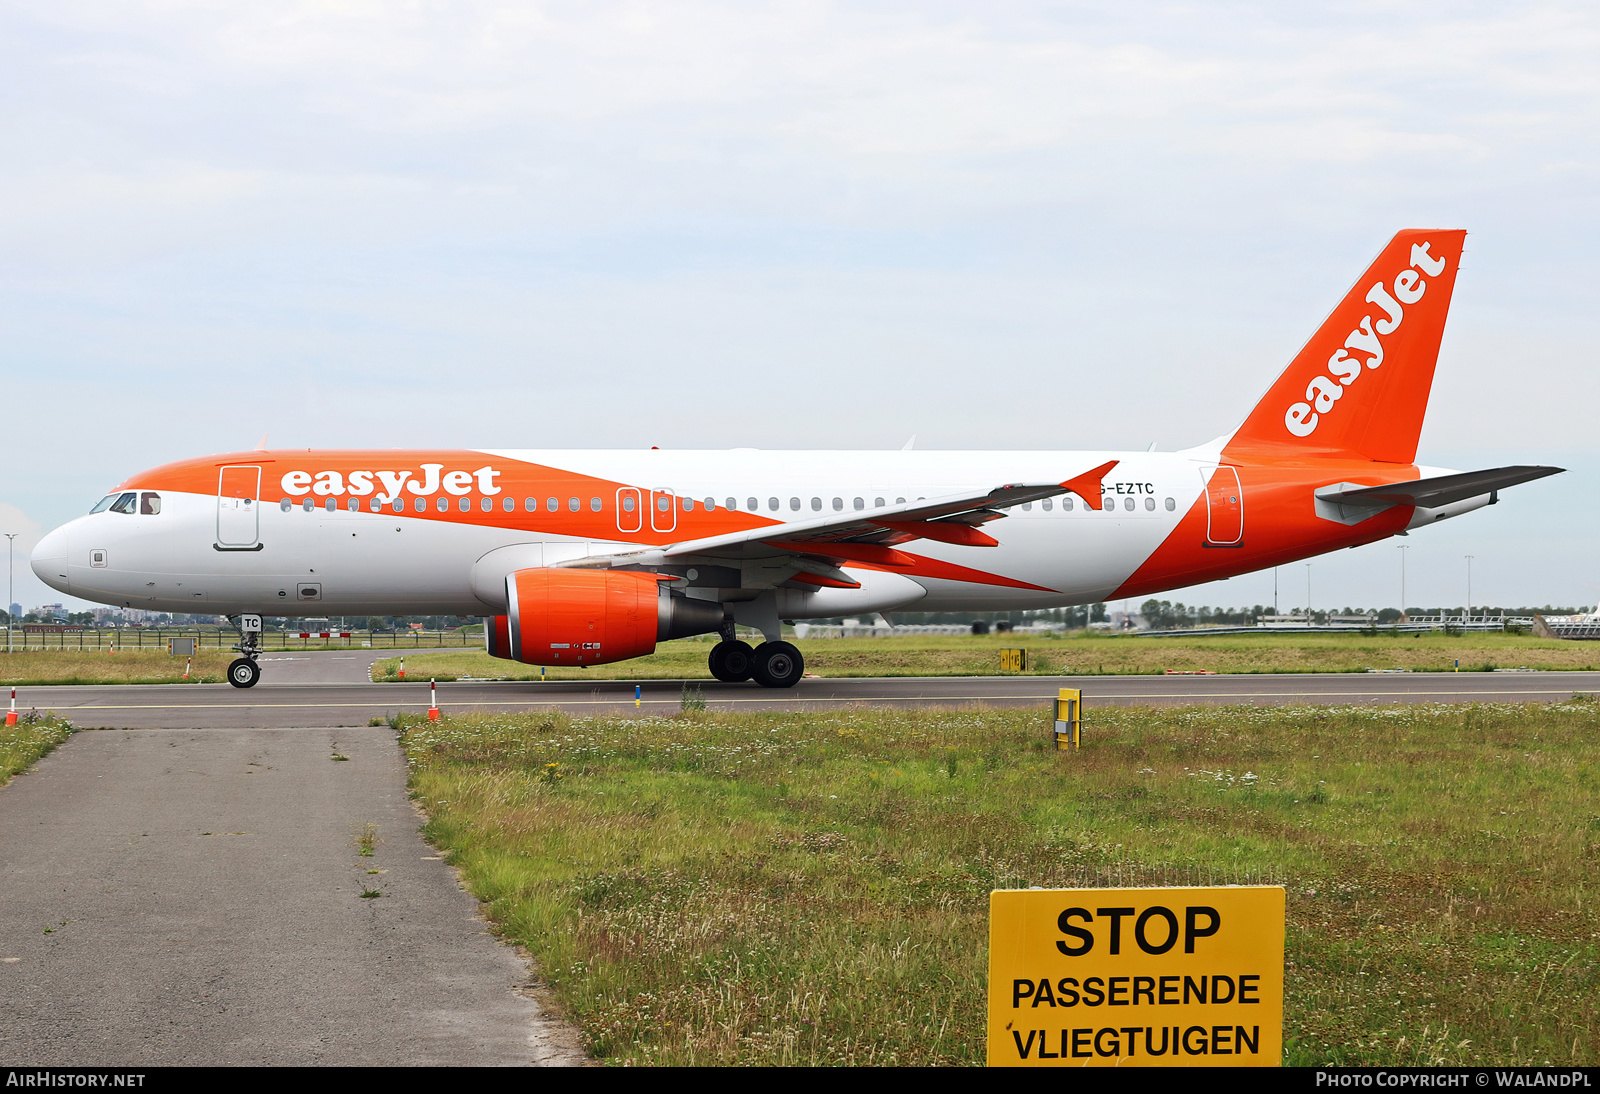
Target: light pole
x: 1402, y: 548
x: 1308, y: 594
x: 11, y: 547
x: 1469, y: 586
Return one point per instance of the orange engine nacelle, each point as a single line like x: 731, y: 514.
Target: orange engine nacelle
x: 591, y: 617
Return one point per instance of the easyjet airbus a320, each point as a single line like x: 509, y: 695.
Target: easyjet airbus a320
x: 580, y: 558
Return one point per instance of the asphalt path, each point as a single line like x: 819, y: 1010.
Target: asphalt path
x: 331, y: 689
x: 177, y: 897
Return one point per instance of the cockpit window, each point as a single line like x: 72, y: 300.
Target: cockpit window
x: 125, y: 503
x: 104, y: 503
x: 150, y: 504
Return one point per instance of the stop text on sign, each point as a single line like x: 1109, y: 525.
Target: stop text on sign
x: 1198, y: 971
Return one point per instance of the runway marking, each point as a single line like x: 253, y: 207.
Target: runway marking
x: 624, y: 701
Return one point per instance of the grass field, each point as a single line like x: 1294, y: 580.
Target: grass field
x: 39, y: 668
x: 1081, y: 655
x: 812, y: 889
x: 33, y: 736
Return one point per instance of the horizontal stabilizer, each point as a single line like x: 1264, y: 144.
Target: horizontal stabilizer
x: 1439, y: 490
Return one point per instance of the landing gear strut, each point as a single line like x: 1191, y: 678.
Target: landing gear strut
x: 244, y: 672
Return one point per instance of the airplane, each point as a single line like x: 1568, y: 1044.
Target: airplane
x: 589, y: 557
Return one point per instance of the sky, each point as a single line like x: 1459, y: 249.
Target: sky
x: 807, y: 225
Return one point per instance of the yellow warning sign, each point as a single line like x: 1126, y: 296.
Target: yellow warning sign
x: 1148, y: 977
x: 1013, y: 660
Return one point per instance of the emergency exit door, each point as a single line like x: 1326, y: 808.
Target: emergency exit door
x: 1224, y: 507
x: 238, y: 509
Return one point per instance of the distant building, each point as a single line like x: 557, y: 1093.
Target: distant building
x: 16, y: 611
x: 51, y: 611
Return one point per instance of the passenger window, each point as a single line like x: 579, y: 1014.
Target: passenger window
x: 877, y: 502
x: 508, y: 504
x: 530, y: 504
x: 377, y: 505
x: 1150, y: 504
x: 1066, y: 505
x: 399, y: 506
x: 772, y: 503
x: 688, y: 505
x: 754, y: 505
x: 150, y: 504
x: 733, y: 503
x: 443, y: 504
x: 859, y: 504
x: 305, y: 506
x: 596, y: 505
x: 663, y: 504
x: 573, y: 505
x: 794, y: 504
x: 1046, y: 504
x: 421, y: 505
x: 899, y: 501
x: 816, y: 505
x: 286, y: 504
x: 1027, y: 507
x: 552, y: 504
x: 1127, y: 503
x: 124, y: 504
x: 627, y: 503
x: 1171, y: 505
x: 103, y: 504
x: 711, y: 505
x: 465, y: 504
x: 838, y: 504
x: 331, y: 505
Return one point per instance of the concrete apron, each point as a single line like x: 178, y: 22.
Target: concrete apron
x: 194, y: 897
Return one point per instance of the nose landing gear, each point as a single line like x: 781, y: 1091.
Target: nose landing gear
x: 244, y: 672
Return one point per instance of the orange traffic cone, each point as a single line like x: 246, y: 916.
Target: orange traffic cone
x: 186, y: 663
x: 433, y: 702
x: 11, y: 715
x: 402, y: 668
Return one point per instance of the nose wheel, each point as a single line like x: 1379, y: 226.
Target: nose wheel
x: 244, y: 673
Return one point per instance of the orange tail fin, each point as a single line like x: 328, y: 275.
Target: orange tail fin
x: 1360, y: 387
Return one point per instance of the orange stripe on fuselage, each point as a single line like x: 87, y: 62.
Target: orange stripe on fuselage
x: 1280, y: 525
x: 515, y: 479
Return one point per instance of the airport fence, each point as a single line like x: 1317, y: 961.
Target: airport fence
x: 30, y: 638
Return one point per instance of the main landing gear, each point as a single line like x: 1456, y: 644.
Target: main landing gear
x: 771, y: 664
x: 244, y: 672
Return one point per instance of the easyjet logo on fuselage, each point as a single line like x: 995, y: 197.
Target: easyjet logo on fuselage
x: 1322, y: 393
x: 388, y: 485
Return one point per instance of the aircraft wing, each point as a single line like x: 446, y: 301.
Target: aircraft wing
x: 1441, y: 489
x: 816, y: 547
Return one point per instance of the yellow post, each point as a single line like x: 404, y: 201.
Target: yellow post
x: 1069, y: 719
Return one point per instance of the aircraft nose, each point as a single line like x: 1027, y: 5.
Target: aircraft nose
x: 50, y: 560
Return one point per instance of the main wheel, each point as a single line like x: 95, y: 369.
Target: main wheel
x: 244, y: 673
x: 732, y: 662
x: 778, y: 665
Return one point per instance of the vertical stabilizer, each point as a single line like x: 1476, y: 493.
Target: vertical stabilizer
x: 1360, y: 386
